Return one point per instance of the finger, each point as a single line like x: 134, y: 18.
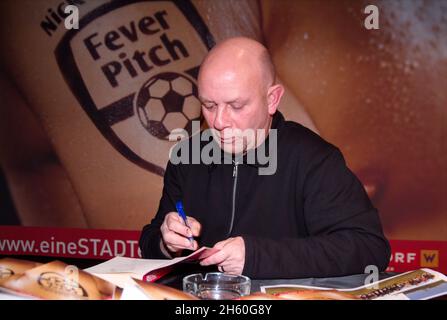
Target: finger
x: 178, y: 248
x: 230, y: 267
x: 178, y: 227
x: 226, y: 269
x: 173, y: 216
x: 217, y: 258
x: 192, y: 246
x: 221, y: 244
x: 170, y: 218
x: 196, y: 227
x: 175, y: 240
x: 233, y: 271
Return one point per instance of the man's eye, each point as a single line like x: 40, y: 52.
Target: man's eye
x: 208, y: 106
x: 237, y: 106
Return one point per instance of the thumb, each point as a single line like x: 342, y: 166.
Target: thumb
x: 196, y: 227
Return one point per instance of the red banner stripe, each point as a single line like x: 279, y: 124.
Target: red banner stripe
x: 105, y: 244
x: 68, y: 242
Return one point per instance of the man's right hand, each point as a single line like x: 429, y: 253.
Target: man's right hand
x: 175, y: 233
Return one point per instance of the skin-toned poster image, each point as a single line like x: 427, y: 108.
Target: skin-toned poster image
x: 86, y: 112
x: 378, y: 95
x: 99, y: 102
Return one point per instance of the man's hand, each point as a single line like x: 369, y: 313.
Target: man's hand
x: 230, y: 258
x: 175, y: 233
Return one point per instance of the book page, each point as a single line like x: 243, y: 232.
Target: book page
x: 119, y: 270
x: 134, y: 266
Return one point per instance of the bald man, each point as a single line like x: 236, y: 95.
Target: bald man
x: 310, y: 217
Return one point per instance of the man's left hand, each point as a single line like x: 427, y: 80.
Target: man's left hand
x: 230, y: 258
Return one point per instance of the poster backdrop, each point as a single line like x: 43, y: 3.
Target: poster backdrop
x: 85, y: 112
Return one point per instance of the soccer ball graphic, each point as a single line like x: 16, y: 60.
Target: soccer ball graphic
x: 167, y: 101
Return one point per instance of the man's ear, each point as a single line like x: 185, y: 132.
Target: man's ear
x: 274, y: 95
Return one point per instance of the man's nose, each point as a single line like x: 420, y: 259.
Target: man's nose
x: 222, y: 119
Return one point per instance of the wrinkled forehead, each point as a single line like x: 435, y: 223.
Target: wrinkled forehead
x: 229, y: 77
x: 223, y: 86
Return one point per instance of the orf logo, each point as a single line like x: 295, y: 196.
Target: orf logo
x: 132, y: 65
x: 430, y: 258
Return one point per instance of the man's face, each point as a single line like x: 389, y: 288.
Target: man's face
x: 234, y: 104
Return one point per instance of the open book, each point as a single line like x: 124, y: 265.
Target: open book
x: 121, y: 270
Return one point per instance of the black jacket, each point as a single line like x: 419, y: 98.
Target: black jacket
x: 312, y: 218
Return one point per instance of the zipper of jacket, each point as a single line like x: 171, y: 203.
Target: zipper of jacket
x: 233, y: 209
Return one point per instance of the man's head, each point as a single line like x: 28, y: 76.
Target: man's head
x: 238, y: 92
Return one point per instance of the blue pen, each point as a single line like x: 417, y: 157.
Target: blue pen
x: 181, y: 213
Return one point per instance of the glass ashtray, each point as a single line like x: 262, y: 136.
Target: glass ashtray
x: 216, y: 286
